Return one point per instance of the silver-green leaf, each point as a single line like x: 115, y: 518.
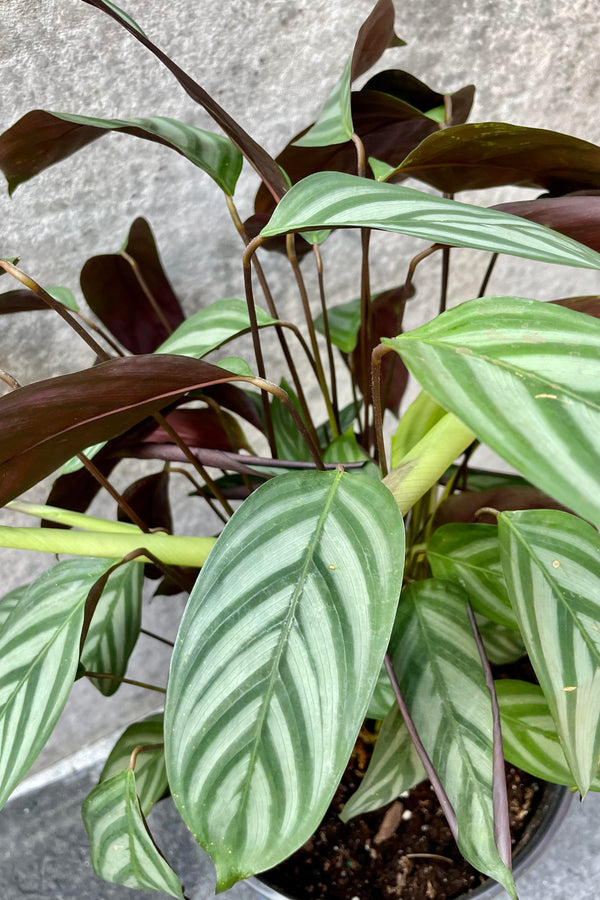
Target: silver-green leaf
x: 551, y: 562
x: 276, y: 659
x: 150, y: 771
x: 122, y: 850
x: 524, y: 376
x: 212, y: 327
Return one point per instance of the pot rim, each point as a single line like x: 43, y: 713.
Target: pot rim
x: 545, y: 822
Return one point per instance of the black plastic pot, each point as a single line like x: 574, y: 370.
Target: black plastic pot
x: 540, y: 831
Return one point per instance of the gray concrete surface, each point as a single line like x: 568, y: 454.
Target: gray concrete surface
x: 44, y: 852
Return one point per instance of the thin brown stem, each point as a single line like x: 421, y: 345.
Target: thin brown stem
x: 416, y: 260
x: 445, y: 279
x: 103, y: 334
x: 324, y: 313
x: 164, y: 424
x: 273, y: 311
x: 145, y: 748
x: 283, y: 397
x: 156, y: 637
x: 488, y: 275
x: 291, y: 252
x: 59, y: 308
x: 247, y: 263
x: 361, y: 156
x: 120, y: 500
x: 366, y: 328
x: 200, y: 489
x: 147, y: 292
x: 9, y: 379
x: 142, y: 684
x: 376, y: 357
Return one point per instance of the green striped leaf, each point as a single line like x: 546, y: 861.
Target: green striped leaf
x: 469, y: 555
x: 346, y: 449
x: 10, y: 601
x: 115, y: 626
x: 502, y: 645
x: 344, y: 324
x: 338, y: 200
x: 212, y: 327
x: 276, y: 659
x: 529, y: 735
x: 394, y: 767
x: 551, y: 562
x: 334, y: 125
x: 382, y: 698
x: 437, y: 663
x: 41, y: 138
x: 121, y: 846
x: 150, y: 770
x: 39, y: 651
x: 524, y: 376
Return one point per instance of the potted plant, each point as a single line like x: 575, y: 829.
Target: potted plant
x: 351, y: 582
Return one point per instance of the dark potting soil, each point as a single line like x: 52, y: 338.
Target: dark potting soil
x: 404, y: 850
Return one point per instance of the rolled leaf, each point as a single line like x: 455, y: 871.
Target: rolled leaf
x: 115, y: 627
x: 440, y: 674
x: 39, y: 652
x: 551, y: 563
x: 337, y: 200
x: 42, y: 138
x: 44, y: 424
x: 130, y: 293
x: 121, y: 846
x: 150, y: 771
x: 276, y: 660
x: 525, y: 377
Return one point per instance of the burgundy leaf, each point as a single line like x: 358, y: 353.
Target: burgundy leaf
x: 389, y: 129
x: 489, y: 154
x: 20, y: 300
x: 46, y: 423
x: 149, y: 498
x: 588, y: 305
x: 578, y: 217
x: 375, y: 36
x: 207, y: 428
x: 406, y: 87
x: 387, y: 311
x: 233, y: 398
x: 462, y: 507
x: 258, y: 158
x: 130, y: 293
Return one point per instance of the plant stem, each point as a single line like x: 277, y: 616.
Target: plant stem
x: 416, y: 260
x: 365, y: 329
x: 108, y: 677
x: 62, y: 310
x: 488, y: 275
x: 157, y: 637
x: 9, y: 379
x: 334, y: 394
x: 361, y: 156
x: 147, y: 292
x: 145, y: 748
x: 376, y: 358
x: 291, y: 252
x: 247, y: 262
x: 200, y: 490
x: 445, y: 277
x: 105, y: 483
x: 283, y: 397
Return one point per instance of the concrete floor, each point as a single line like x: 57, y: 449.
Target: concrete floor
x: 44, y: 851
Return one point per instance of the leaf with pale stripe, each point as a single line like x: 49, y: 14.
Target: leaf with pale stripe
x: 115, y: 626
x: 338, y: 200
x: 529, y: 735
x: 524, y: 376
x: 276, y: 659
x: 394, y: 767
x: 9, y: 601
x: 469, y: 555
x: 212, y: 327
x: 383, y: 697
x: 39, y: 651
x: 150, y: 771
x: 439, y: 670
x: 551, y: 563
x: 121, y: 846
x: 502, y: 645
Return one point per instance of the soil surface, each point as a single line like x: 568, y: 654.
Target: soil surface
x: 405, y: 850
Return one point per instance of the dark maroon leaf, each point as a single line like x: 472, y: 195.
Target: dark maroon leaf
x: 130, y: 293
x: 20, y: 301
x: 46, y: 423
x: 389, y: 129
x: 489, y: 154
x: 588, y: 305
x: 462, y: 507
x: 386, y: 322
x: 207, y: 428
x: 255, y: 224
x: 233, y: 398
x: 577, y: 217
x: 375, y: 36
x: 406, y: 87
x: 149, y: 498
x: 258, y: 158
